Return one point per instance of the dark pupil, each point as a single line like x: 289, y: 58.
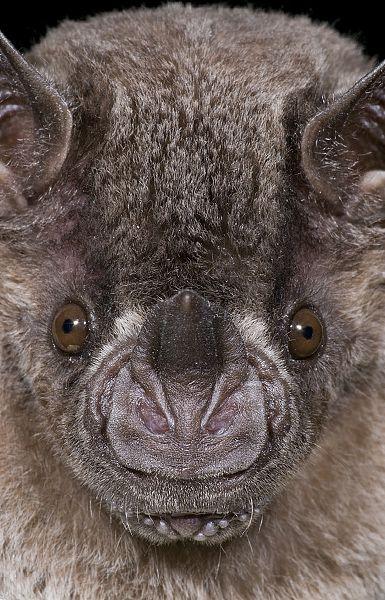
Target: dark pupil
x: 307, y: 332
x: 68, y: 326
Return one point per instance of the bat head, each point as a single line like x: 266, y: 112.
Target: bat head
x: 191, y: 257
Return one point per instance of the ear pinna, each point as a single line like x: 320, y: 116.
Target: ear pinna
x: 35, y: 130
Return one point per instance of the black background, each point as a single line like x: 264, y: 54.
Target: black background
x: 25, y: 24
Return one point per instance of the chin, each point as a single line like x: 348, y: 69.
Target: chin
x: 195, y: 524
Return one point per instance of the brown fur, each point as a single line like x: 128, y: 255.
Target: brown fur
x: 120, y: 228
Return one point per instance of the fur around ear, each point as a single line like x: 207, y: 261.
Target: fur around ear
x: 35, y: 130
x: 343, y: 147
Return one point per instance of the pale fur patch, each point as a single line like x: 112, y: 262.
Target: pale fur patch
x: 254, y: 333
x: 373, y: 182
x: 125, y: 328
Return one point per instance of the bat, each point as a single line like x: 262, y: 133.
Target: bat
x: 192, y: 341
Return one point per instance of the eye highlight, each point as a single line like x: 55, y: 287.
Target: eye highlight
x: 70, y: 328
x: 306, y: 334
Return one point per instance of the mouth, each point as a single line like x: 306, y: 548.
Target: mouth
x: 203, y: 528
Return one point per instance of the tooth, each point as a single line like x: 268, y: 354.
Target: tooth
x: 209, y: 529
x: 148, y: 521
x: 243, y: 517
x: 223, y: 523
x: 199, y: 537
x: 162, y: 527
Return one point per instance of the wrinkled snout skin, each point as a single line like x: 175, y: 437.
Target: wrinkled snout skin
x: 192, y: 310
x: 189, y: 401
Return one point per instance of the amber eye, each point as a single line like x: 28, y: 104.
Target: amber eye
x: 306, y: 334
x: 70, y: 328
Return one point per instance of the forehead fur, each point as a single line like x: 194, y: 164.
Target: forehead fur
x: 183, y: 119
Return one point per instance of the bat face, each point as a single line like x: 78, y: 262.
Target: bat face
x: 189, y: 279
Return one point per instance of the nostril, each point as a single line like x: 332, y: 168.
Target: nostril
x: 152, y: 418
x: 227, y: 397
x: 147, y: 393
x: 221, y: 420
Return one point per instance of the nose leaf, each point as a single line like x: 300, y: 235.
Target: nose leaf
x: 189, y: 343
x: 178, y: 359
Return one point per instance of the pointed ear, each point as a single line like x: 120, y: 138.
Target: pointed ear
x: 343, y: 147
x: 35, y: 129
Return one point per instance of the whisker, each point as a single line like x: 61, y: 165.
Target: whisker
x: 260, y: 523
x: 219, y: 563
